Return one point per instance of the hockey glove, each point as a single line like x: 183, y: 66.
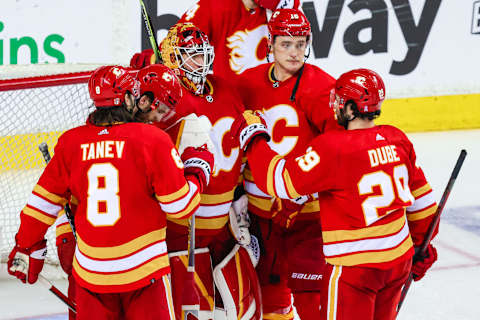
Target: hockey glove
x: 26, y: 263
x: 248, y: 126
x: 422, y: 263
x: 142, y: 59
x: 198, y: 162
x: 285, y: 211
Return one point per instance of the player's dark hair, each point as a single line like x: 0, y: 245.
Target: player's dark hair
x: 365, y: 115
x: 107, y: 116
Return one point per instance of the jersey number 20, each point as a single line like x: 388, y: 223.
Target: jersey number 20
x: 388, y: 185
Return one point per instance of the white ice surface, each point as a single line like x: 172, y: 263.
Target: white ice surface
x: 450, y: 290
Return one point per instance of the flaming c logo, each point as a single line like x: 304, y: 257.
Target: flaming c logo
x: 242, y: 42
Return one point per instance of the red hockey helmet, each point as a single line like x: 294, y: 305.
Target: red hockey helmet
x: 187, y: 51
x: 162, y: 83
x: 362, y: 86
x: 288, y: 22
x: 109, y: 84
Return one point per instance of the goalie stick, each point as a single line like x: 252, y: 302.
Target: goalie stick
x: 195, y: 132
x: 151, y: 35
x: 434, y: 223
x: 190, y: 296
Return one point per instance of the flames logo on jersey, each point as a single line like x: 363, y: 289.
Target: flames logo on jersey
x: 242, y: 42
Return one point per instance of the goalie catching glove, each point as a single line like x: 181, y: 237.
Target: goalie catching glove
x: 199, y: 163
x: 26, y: 263
x: 247, y: 127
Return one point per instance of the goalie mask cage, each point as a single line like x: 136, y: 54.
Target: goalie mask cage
x: 34, y: 110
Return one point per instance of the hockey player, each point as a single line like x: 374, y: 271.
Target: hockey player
x: 187, y: 51
x: 294, y: 97
x: 160, y: 91
x: 236, y: 28
x: 118, y: 170
x: 376, y: 203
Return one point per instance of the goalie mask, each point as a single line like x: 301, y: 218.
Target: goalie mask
x: 188, y: 52
x: 109, y: 84
x: 162, y: 87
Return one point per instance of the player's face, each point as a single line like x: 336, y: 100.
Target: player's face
x: 148, y: 114
x: 161, y: 114
x: 144, y: 103
x: 192, y: 62
x: 289, y: 52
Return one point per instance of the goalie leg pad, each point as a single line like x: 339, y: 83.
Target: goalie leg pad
x: 237, y: 282
x: 203, y: 280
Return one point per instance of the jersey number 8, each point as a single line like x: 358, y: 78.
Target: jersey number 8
x: 103, y: 201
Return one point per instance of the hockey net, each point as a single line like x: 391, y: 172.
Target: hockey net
x: 34, y: 110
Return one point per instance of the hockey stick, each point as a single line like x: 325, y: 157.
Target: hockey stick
x: 47, y: 284
x: 68, y: 212
x: 43, y: 147
x: 190, y: 297
x: 150, y: 32
x: 434, y: 223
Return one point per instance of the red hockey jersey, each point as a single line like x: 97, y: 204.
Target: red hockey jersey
x: 292, y: 124
x: 238, y: 34
x: 374, y: 198
x: 221, y: 105
x: 126, y: 178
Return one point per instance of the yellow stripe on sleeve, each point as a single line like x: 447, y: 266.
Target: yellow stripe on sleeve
x: 289, y: 185
x: 174, y: 195
x: 48, y: 220
x: 422, y: 214
x: 50, y: 196
x: 63, y: 229
x: 188, y: 210
x: 422, y: 190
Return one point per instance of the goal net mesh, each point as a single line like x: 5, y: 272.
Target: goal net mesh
x: 33, y: 110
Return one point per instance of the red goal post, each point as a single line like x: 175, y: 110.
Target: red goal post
x: 34, y: 110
